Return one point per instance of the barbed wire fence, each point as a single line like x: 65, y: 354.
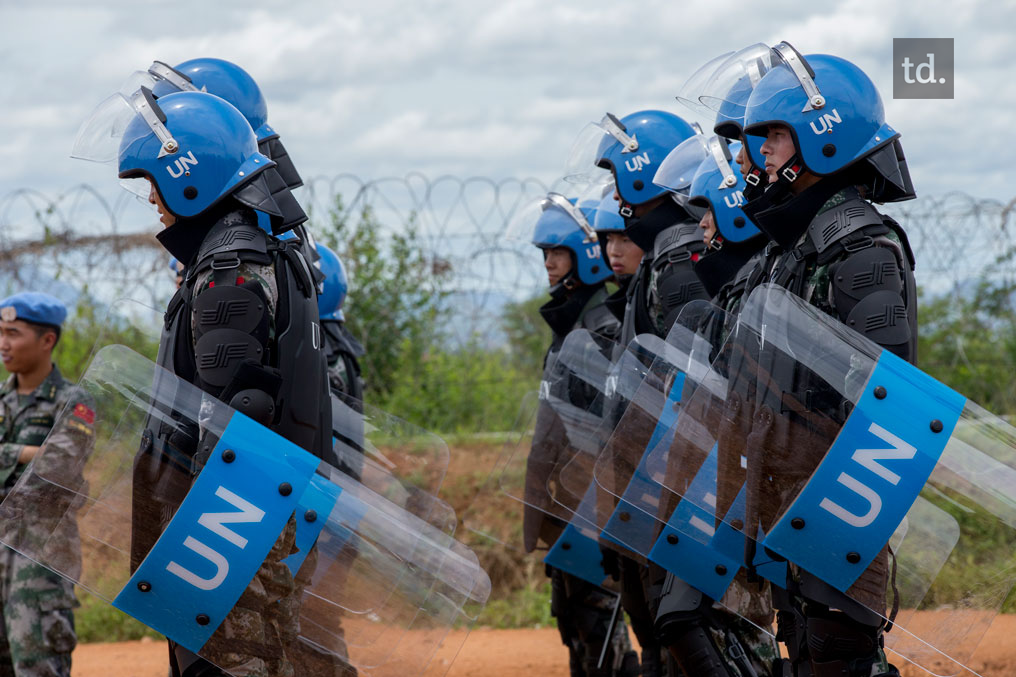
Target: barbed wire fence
x: 101, y: 244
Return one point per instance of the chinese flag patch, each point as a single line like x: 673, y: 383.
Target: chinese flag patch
x: 85, y: 414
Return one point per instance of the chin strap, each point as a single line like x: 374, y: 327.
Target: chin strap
x: 790, y: 171
x: 756, y: 181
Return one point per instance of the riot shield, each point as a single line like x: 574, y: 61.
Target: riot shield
x: 524, y: 477
x: 582, y: 359
x: 228, y: 539
x: 555, y: 425
x: 646, y: 422
x: 629, y: 518
x: 882, y: 488
x: 409, y: 476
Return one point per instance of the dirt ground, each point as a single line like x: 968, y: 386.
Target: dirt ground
x: 502, y: 653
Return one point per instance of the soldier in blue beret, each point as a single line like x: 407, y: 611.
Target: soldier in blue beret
x: 37, y: 405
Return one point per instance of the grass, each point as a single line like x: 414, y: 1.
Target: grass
x: 96, y: 621
x: 528, y: 607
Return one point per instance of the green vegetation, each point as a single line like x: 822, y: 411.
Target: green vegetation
x: 96, y: 621
x: 398, y: 306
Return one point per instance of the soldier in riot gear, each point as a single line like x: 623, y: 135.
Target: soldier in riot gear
x: 828, y: 154
x: 703, y: 635
x: 657, y: 221
x: 243, y: 327
x: 576, y: 272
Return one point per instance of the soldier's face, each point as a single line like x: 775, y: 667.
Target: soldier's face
x: 625, y: 256
x: 777, y: 149
x: 708, y: 226
x: 165, y: 216
x: 22, y: 349
x: 742, y: 161
x: 557, y: 261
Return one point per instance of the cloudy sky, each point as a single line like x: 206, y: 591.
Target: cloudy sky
x: 469, y: 87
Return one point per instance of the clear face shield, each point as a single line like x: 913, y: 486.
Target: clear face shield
x: 591, y: 145
x: 548, y: 221
x: 782, y: 56
x: 691, y: 90
x: 678, y: 169
x: 118, y: 122
x: 746, y: 66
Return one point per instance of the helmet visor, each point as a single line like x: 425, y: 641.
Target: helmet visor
x: 798, y: 76
x: 160, y: 71
x: 720, y: 157
x: 591, y: 145
x: 108, y: 129
x: 744, y: 69
x: 678, y: 168
x: 556, y: 217
x: 692, y: 89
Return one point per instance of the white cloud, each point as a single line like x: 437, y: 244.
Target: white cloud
x: 389, y: 87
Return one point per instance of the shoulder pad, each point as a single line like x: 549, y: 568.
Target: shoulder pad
x: 679, y: 235
x: 233, y: 235
x: 840, y: 221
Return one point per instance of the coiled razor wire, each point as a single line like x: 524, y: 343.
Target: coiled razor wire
x: 102, y: 243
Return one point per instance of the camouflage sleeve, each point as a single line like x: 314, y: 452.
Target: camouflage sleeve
x: 70, y: 442
x: 9, y: 453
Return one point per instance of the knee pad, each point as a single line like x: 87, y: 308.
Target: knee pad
x: 680, y: 607
x: 839, y: 645
x: 697, y: 655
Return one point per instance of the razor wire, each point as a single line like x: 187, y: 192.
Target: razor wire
x: 103, y: 245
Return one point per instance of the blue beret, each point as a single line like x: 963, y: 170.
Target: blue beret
x: 33, y: 306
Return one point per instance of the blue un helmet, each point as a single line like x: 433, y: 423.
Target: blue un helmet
x: 335, y: 285
x: 556, y: 221
x: 227, y: 80
x: 719, y: 187
x: 232, y: 83
x: 835, y: 116
x: 194, y: 148
x: 631, y: 148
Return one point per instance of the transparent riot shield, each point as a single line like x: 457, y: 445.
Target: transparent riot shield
x: 645, y: 423
x: 409, y: 476
x: 524, y: 477
x: 582, y: 359
x: 554, y: 426
x: 884, y: 490
x: 228, y: 539
x: 629, y: 519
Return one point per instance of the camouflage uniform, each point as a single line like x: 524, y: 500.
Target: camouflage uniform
x: 38, y: 628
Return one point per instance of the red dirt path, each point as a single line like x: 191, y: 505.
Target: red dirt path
x: 498, y: 653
